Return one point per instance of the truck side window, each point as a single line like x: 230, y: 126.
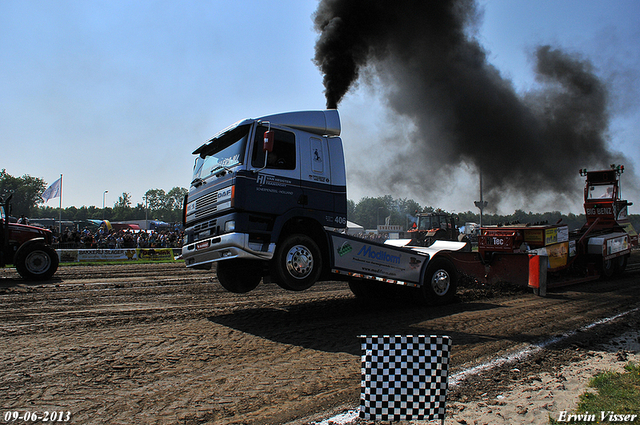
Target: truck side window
x: 283, y: 156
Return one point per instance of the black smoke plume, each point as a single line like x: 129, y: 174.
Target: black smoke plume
x: 432, y: 70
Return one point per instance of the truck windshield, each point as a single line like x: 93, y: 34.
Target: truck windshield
x: 224, y: 152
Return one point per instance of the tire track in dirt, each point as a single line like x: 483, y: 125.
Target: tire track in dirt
x: 127, y: 345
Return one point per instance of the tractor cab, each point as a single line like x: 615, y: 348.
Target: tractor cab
x: 603, y: 205
x: 434, y: 226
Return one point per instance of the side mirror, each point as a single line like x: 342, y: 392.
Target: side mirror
x: 269, y: 137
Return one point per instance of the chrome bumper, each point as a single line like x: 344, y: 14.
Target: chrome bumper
x: 224, y: 247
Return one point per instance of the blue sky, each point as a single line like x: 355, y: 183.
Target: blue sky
x: 116, y: 95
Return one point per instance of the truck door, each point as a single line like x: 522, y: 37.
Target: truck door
x: 316, y: 175
x: 277, y: 186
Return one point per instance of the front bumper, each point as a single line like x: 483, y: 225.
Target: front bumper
x: 223, y: 247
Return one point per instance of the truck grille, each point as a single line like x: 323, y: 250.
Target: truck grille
x: 205, y: 225
x: 206, y: 205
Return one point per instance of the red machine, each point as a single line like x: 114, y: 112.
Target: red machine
x: 600, y: 248
x: 603, y: 205
x: 434, y: 226
x: 26, y: 247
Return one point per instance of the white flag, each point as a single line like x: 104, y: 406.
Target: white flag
x: 52, y: 191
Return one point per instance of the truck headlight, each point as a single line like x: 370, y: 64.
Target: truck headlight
x: 230, y: 226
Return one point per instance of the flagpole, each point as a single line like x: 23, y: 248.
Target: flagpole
x: 60, y: 213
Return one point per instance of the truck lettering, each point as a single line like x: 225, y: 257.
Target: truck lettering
x: 498, y: 241
x: 265, y: 179
x: 381, y: 255
x: 599, y: 211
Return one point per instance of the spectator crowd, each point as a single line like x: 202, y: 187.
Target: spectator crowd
x: 116, y: 239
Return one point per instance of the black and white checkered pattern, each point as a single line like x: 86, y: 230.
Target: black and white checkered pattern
x: 404, y: 377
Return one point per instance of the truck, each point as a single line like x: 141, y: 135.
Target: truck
x: 263, y: 192
x: 268, y: 201
x: 28, y: 248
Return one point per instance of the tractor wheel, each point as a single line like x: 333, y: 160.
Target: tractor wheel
x: 296, y: 264
x: 36, y: 261
x: 441, y: 235
x: 440, y: 283
x: 239, y: 276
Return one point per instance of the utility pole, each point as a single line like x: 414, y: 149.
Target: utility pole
x: 481, y: 204
x: 104, y: 198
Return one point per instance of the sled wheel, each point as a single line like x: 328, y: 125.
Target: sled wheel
x: 608, y: 268
x: 440, y: 282
x: 297, y: 264
x: 621, y: 264
x: 36, y: 261
x: 239, y: 276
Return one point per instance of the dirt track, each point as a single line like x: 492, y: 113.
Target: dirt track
x: 163, y: 344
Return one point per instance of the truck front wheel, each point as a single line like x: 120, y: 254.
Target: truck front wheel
x: 239, y: 276
x: 297, y: 263
x: 36, y: 261
x: 440, y: 282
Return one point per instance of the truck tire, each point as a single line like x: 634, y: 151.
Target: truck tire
x: 297, y: 263
x: 360, y: 289
x: 36, y: 261
x: 441, y: 281
x: 239, y: 276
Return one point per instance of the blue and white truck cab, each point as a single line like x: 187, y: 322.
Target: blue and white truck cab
x: 262, y: 193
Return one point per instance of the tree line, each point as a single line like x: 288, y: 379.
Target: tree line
x: 27, y: 200
x: 369, y: 212
x: 167, y: 206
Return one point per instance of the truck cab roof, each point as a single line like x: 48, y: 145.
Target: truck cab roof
x: 320, y: 122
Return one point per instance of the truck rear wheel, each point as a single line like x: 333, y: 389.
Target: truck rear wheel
x: 36, y: 261
x: 441, y: 281
x: 297, y: 263
x: 239, y: 276
x: 371, y: 291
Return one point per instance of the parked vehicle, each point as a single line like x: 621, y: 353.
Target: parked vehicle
x: 28, y: 248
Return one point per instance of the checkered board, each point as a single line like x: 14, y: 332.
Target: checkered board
x: 404, y: 377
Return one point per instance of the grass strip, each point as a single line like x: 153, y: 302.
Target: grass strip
x: 616, y: 400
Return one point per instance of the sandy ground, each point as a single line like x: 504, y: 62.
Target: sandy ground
x: 531, y: 395
x: 547, y: 394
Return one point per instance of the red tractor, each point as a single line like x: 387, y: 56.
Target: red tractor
x: 435, y: 226
x: 28, y: 248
